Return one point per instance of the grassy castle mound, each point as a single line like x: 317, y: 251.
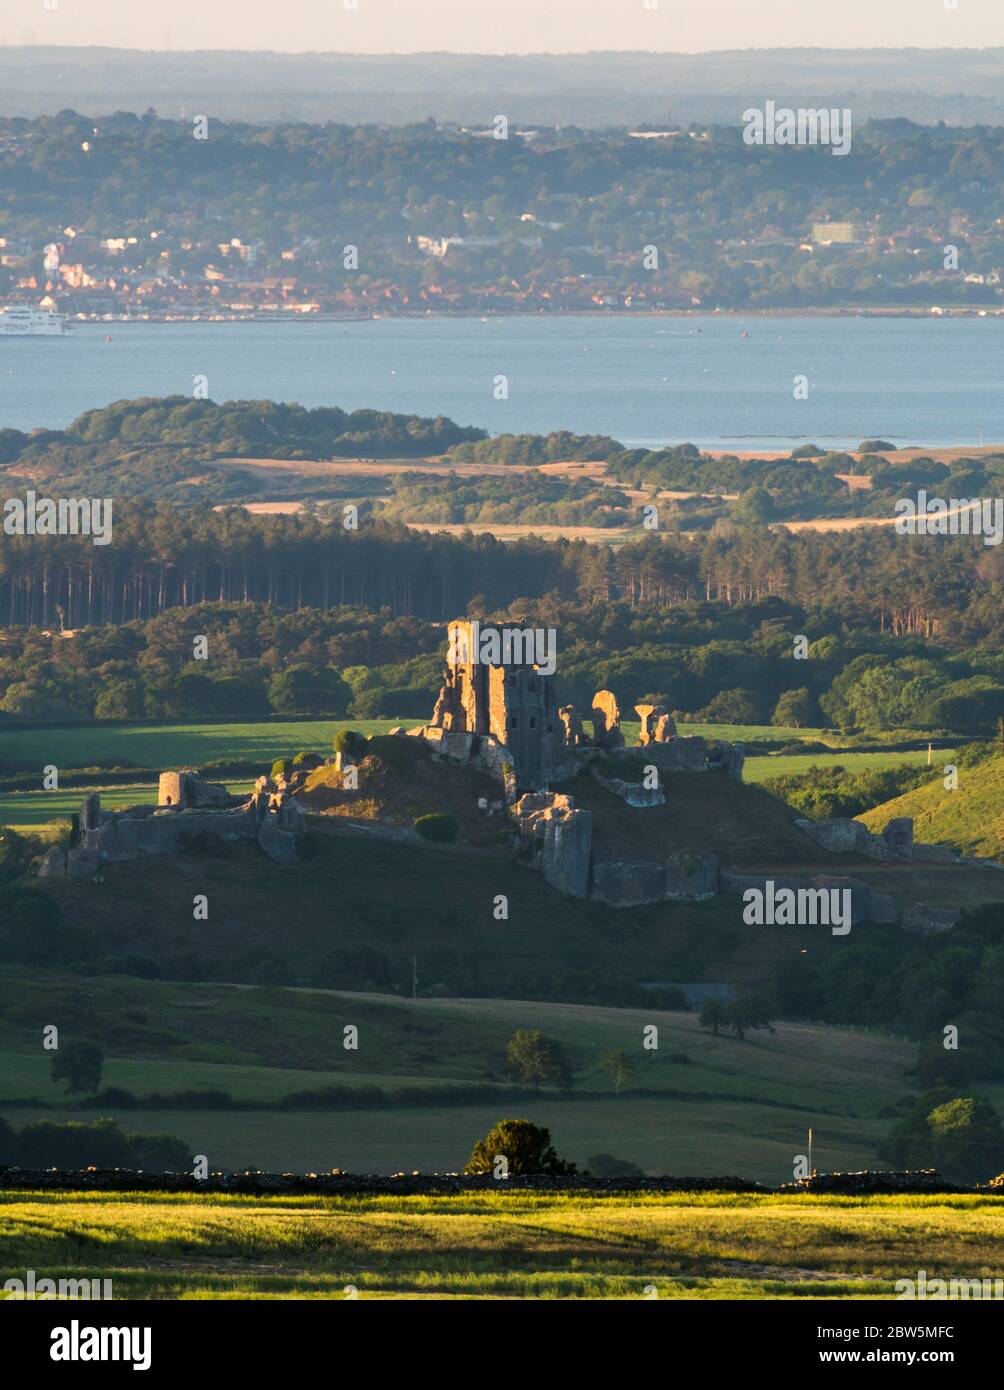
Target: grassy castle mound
x: 970, y: 818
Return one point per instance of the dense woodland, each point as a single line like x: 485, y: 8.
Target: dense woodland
x: 162, y: 557
x: 303, y: 617
x: 309, y: 616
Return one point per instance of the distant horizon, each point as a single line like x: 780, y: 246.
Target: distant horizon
x: 760, y: 50
x: 523, y: 28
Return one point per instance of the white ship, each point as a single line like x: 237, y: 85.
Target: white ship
x: 22, y: 322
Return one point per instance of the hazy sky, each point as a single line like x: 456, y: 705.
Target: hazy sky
x: 503, y: 26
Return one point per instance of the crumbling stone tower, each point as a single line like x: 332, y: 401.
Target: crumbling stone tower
x: 512, y: 701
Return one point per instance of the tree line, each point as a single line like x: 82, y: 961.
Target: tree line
x: 161, y: 557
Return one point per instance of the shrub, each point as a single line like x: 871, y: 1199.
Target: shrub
x: 607, y: 1166
x: 348, y: 741
x: 397, y: 751
x: 282, y: 767
x: 525, y: 1146
x: 439, y: 827
x: 308, y: 760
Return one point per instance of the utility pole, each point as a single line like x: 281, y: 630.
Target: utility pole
x: 414, y: 977
x: 811, y: 1169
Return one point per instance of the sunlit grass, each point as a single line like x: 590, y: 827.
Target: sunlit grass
x: 518, y: 1245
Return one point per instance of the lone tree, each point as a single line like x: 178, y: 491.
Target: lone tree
x: 618, y: 1066
x: 959, y: 1135
x: 79, y: 1065
x: 525, y: 1147
x: 793, y: 709
x: 713, y: 1013
x: 749, y: 1011
x: 537, y: 1061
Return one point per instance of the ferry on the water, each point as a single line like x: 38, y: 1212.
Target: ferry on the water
x: 23, y: 322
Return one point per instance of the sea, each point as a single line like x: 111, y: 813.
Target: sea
x: 718, y: 381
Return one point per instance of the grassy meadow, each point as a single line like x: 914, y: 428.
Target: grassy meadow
x: 792, y: 764
x: 32, y: 810
x: 510, y: 1245
x: 173, y: 745
x: 970, y: 816
x: 193, y: 745
x: 699, y: 1104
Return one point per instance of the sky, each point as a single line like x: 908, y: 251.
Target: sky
x: 503, y: 26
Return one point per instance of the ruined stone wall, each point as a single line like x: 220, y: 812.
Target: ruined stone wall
x: 145, y: 831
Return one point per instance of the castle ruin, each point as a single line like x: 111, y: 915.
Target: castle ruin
x: 498, y: 707
x: 187, y: 809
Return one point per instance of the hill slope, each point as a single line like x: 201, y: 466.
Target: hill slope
x: 970, y: 819
x: 700, y: 1104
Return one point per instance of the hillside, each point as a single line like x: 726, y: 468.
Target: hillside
x: 361, y: 892
x: 970, y: 819
x: 705, y: 813
x: 371, y: 894
x: 700, y: 1104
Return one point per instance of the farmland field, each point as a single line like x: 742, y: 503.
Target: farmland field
x: 701, y: 1104
x: 515, y: 1245
x: 191, y: 745
x: 29, y: 810
x: 792, y: 764
x: 172, y: 745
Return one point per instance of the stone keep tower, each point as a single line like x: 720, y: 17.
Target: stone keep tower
x: 512, y: 701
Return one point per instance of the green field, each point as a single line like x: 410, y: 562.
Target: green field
x: 514, y: 1245
x: 699, y: 1104
x: 29, y: 810
x: 173, y: 745
x: 191, y: 745
x: 791, y: 764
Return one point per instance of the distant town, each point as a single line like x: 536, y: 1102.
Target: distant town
x: 109, y: 218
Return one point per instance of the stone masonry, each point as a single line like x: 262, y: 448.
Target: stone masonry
x: 188, y: 807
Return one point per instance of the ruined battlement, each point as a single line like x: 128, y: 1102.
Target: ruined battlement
x: 498, y: 707
x: 187, y: 807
